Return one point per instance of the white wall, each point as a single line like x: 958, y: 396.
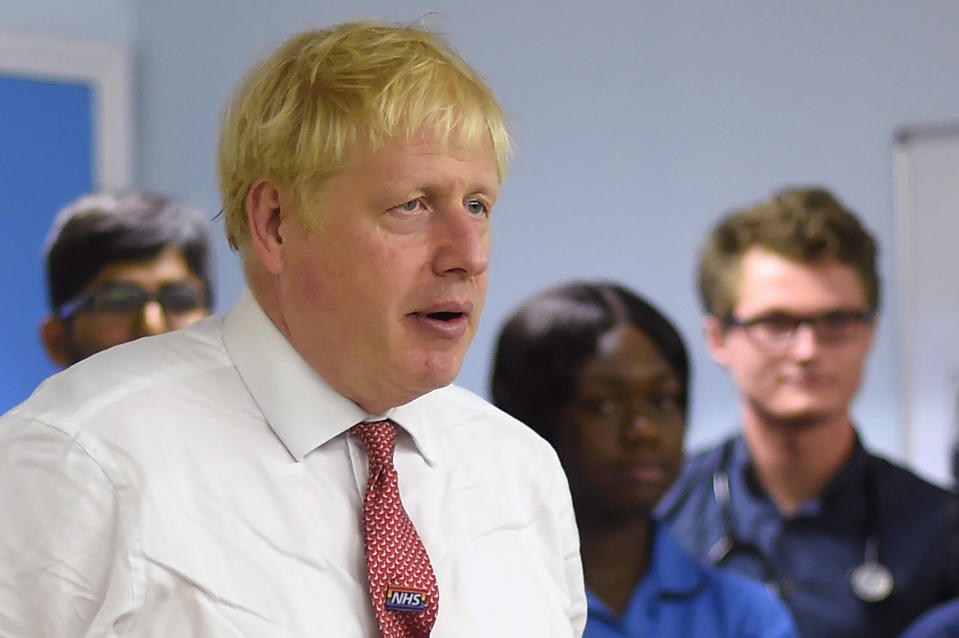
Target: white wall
x: 637, y: 124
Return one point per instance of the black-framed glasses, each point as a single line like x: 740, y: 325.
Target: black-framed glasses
x: 124, y: 298
x: 776, y: 331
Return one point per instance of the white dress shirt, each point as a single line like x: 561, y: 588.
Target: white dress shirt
x: 201, y: 483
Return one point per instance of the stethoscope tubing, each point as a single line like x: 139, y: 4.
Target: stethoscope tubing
x: 871, y: 581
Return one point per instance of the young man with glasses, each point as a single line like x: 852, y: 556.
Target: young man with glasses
x: 854, y: 544
x: 121, y: 266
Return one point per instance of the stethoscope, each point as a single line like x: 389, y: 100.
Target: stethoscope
x: 871, y: 581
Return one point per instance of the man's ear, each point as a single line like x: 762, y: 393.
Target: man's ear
x: 265, y: 215
x: 715, y: 334
x: 53, y: 334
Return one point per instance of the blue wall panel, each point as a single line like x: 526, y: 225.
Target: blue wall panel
x: 46, y: 160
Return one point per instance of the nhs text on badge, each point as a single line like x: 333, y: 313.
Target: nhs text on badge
x: 405, y: 599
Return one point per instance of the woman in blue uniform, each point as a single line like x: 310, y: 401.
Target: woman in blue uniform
x: 604, y: 376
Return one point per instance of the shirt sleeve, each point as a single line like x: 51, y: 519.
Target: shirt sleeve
x: 57, y: 532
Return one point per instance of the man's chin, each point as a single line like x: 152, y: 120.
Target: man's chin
x: 435, y: 373
x: 76, y: 353
x: 800, y: 419
x: 795, y: 417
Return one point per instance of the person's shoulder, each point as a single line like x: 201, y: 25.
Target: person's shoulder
x: 752, y: 608
x: 148, y: 368
x: 940, y: 622
x: 740, y: 589
x: 695, y: 479
x: 737, y: 605
x: 705, y: 461
x: 898, y: 480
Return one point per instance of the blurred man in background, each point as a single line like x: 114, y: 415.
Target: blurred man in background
x: 853, y: 543
x: 120, y: 266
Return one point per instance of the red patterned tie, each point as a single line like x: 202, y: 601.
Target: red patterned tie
x: 402, y: 584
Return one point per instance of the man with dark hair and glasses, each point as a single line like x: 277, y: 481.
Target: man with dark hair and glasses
x: 853, y: 543
x: 121, y: 266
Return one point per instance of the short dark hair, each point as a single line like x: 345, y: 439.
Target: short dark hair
x: 802, y: 224
x: 100, y: 229
x: 543, y: 345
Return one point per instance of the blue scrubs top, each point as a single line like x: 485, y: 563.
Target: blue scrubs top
x: 680, y: 597
x: 810, y: 553
x: 941, y: 622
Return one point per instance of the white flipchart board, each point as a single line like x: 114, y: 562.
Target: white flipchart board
x: 927, y: 228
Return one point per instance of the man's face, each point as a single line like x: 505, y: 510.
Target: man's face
x: 383, y: 295
x: 103, y: 323
x: 621, y: 437
x: 808, y: 380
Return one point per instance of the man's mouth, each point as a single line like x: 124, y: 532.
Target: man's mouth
x: 445, y: 315
x: 446, y: 320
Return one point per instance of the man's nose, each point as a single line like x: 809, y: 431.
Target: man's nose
x: 805, y: 341
x: 152, y: 319
x: 463, y: 243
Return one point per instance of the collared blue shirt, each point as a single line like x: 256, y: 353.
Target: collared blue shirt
x: 680, y: 597
x: 811, y: 552
x: 941, y: 622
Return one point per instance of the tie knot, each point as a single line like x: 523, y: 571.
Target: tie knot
x: 379, y: 439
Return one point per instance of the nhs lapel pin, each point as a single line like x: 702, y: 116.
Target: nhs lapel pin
x: 405, y: 598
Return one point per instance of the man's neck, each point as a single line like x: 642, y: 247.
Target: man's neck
x: 794, y: 462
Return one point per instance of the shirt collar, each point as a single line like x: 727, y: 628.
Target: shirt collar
x: 671, y: 573
x: 852, y: 472
x: 677, y: 574
x: 301, y: 408
x: 419, y: 418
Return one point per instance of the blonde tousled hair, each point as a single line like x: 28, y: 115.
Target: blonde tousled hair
x: 328, y: 96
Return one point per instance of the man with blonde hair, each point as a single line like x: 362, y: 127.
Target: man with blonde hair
x: 302, y: 466
x: 854, y: 544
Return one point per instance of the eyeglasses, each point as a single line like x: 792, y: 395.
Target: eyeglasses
x: 124, y: 298
x: 776, y: 331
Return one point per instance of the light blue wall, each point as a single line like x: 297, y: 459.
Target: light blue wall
x: 637, y: 124
x: 111, y: 21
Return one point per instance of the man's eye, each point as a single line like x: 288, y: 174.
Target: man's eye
x: 476, y: 207
x: 116, y: 301
x: 185, y: 299
x: 777, y: 324
x: 838, y: 319
x: 409, y: 207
